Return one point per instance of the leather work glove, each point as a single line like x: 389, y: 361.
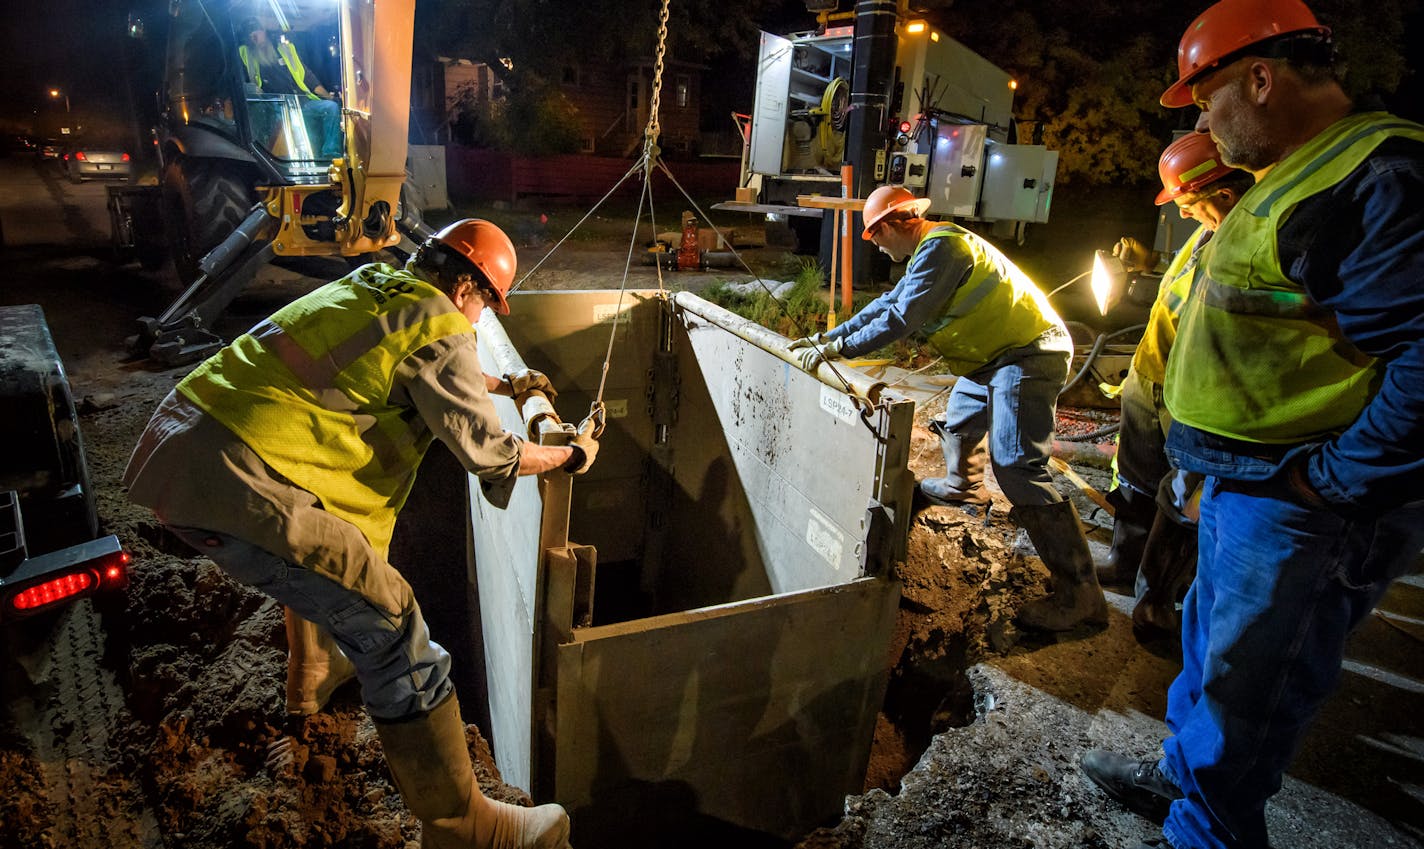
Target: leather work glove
x: 585, y: 449
x: 524, y: 381
x: 1135, y: 256
x: 810, y: 356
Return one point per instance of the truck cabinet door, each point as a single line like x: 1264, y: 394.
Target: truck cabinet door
x: 769, y: 107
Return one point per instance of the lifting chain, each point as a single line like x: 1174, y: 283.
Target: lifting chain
x: 650, y: 137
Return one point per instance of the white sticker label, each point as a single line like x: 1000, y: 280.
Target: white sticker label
x: 837, y: 404
x: 824, y: 537
x: 605, y: 313
x: 616, y: 409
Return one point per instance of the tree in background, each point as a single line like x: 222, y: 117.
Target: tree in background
x: 1092, y: 78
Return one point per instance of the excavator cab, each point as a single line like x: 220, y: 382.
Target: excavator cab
x: 282, y: 132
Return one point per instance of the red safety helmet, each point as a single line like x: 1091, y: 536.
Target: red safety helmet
x: 1230, y: 26
x: 488, y: 249
x: 888, y: 199
x: 1189, y: 163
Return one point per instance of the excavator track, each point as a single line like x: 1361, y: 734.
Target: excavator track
x: 68, y: 716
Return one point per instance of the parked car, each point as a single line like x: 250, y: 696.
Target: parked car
x: 97, y: 159
x: 17, y: 143
x: 48, y: 149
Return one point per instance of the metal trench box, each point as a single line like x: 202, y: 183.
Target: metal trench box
x: 688, y: 644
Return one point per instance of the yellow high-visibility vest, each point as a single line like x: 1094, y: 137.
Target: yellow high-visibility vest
x: 1256, y: 358
x: 288, y: 52
x: 308, y: 390
x: 997, y: 309
x: 1150, y: 358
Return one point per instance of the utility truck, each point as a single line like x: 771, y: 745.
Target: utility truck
x: 946, y: 121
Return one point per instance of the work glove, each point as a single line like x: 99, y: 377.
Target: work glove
x: 524, y: 381
x: 1135, y: 256
x: 807, y: 341
x: 585, y: 448
x: 811, y: 355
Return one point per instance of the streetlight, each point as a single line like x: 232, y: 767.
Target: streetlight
x: 56, y: 93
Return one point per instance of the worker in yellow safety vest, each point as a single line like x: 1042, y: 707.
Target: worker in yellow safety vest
x: 1010, y: 352
x: 286, y: 456
x: 1296, y: 387
x: 1152, y: 549
x: 277, y: 68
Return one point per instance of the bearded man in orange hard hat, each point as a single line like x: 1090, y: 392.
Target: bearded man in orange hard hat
x: 1010, y: 351
x: 1296, y: 387
x: 285, y: 457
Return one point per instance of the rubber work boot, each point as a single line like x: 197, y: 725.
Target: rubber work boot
x: 1133, y: 515
x: 1169, y: 565
x: 430, y: 762
x: 1137, y: 784
x: 315, y: 666
x: 1059, y: 540
x: 964, y: 479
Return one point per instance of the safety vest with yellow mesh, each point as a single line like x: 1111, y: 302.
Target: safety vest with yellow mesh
x: 995, y: 310
x: 1150, y: 358
x: 288, y: 52
x: 1255, y: 358
x: 308, y: 390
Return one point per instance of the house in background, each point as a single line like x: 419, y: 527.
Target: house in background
x: 609, y: 103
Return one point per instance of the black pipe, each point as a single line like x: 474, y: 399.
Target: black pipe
x: 872, y: 75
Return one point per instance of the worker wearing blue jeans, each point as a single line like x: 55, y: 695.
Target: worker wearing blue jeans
x: 997, y: 331
x: 1296, y: 386
x: 1279, y: 587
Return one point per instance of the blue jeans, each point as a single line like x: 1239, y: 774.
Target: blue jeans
x: 1279, y: 588
x: 402, y: 672
x: 1014, y: 404
x: 323, y: 119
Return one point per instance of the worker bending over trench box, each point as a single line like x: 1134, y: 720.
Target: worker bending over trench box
x: 689, y: 643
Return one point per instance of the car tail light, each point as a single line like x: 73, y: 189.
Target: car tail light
x: 126, y: 157
x: 79, y: 154
x: 66, y: 157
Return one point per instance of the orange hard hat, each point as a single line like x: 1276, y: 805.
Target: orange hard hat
x: 1231, y: 26
x: 488, y: 249
x: 1189, y: 163
x: 888, y: 199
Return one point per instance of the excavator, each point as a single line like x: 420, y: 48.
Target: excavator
x: 249, y: 173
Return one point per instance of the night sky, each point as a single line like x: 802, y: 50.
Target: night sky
x: 67, y: 44
x: 78, y: 47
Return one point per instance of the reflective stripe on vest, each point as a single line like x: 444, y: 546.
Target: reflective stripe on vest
x: 1255, y: 358
x: 308, y: 390
x: 997, y: 308
x: 1150, y: 358
x: 288, y: 52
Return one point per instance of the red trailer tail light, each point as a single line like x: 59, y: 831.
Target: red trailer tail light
x: 59, y: 577
x: 54, y: 590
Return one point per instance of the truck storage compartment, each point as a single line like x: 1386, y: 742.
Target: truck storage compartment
x: 687, y: 645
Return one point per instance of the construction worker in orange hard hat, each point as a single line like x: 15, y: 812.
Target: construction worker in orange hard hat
x: 1155, y: 550
x: 1294, y: 389
x: 285, y: 458
x: 1011, y: 351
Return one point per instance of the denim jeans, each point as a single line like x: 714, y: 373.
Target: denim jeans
x: 402, y: 672
x: 323, y: 119
x: 1279, y: 588
x: 1014, y: 403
